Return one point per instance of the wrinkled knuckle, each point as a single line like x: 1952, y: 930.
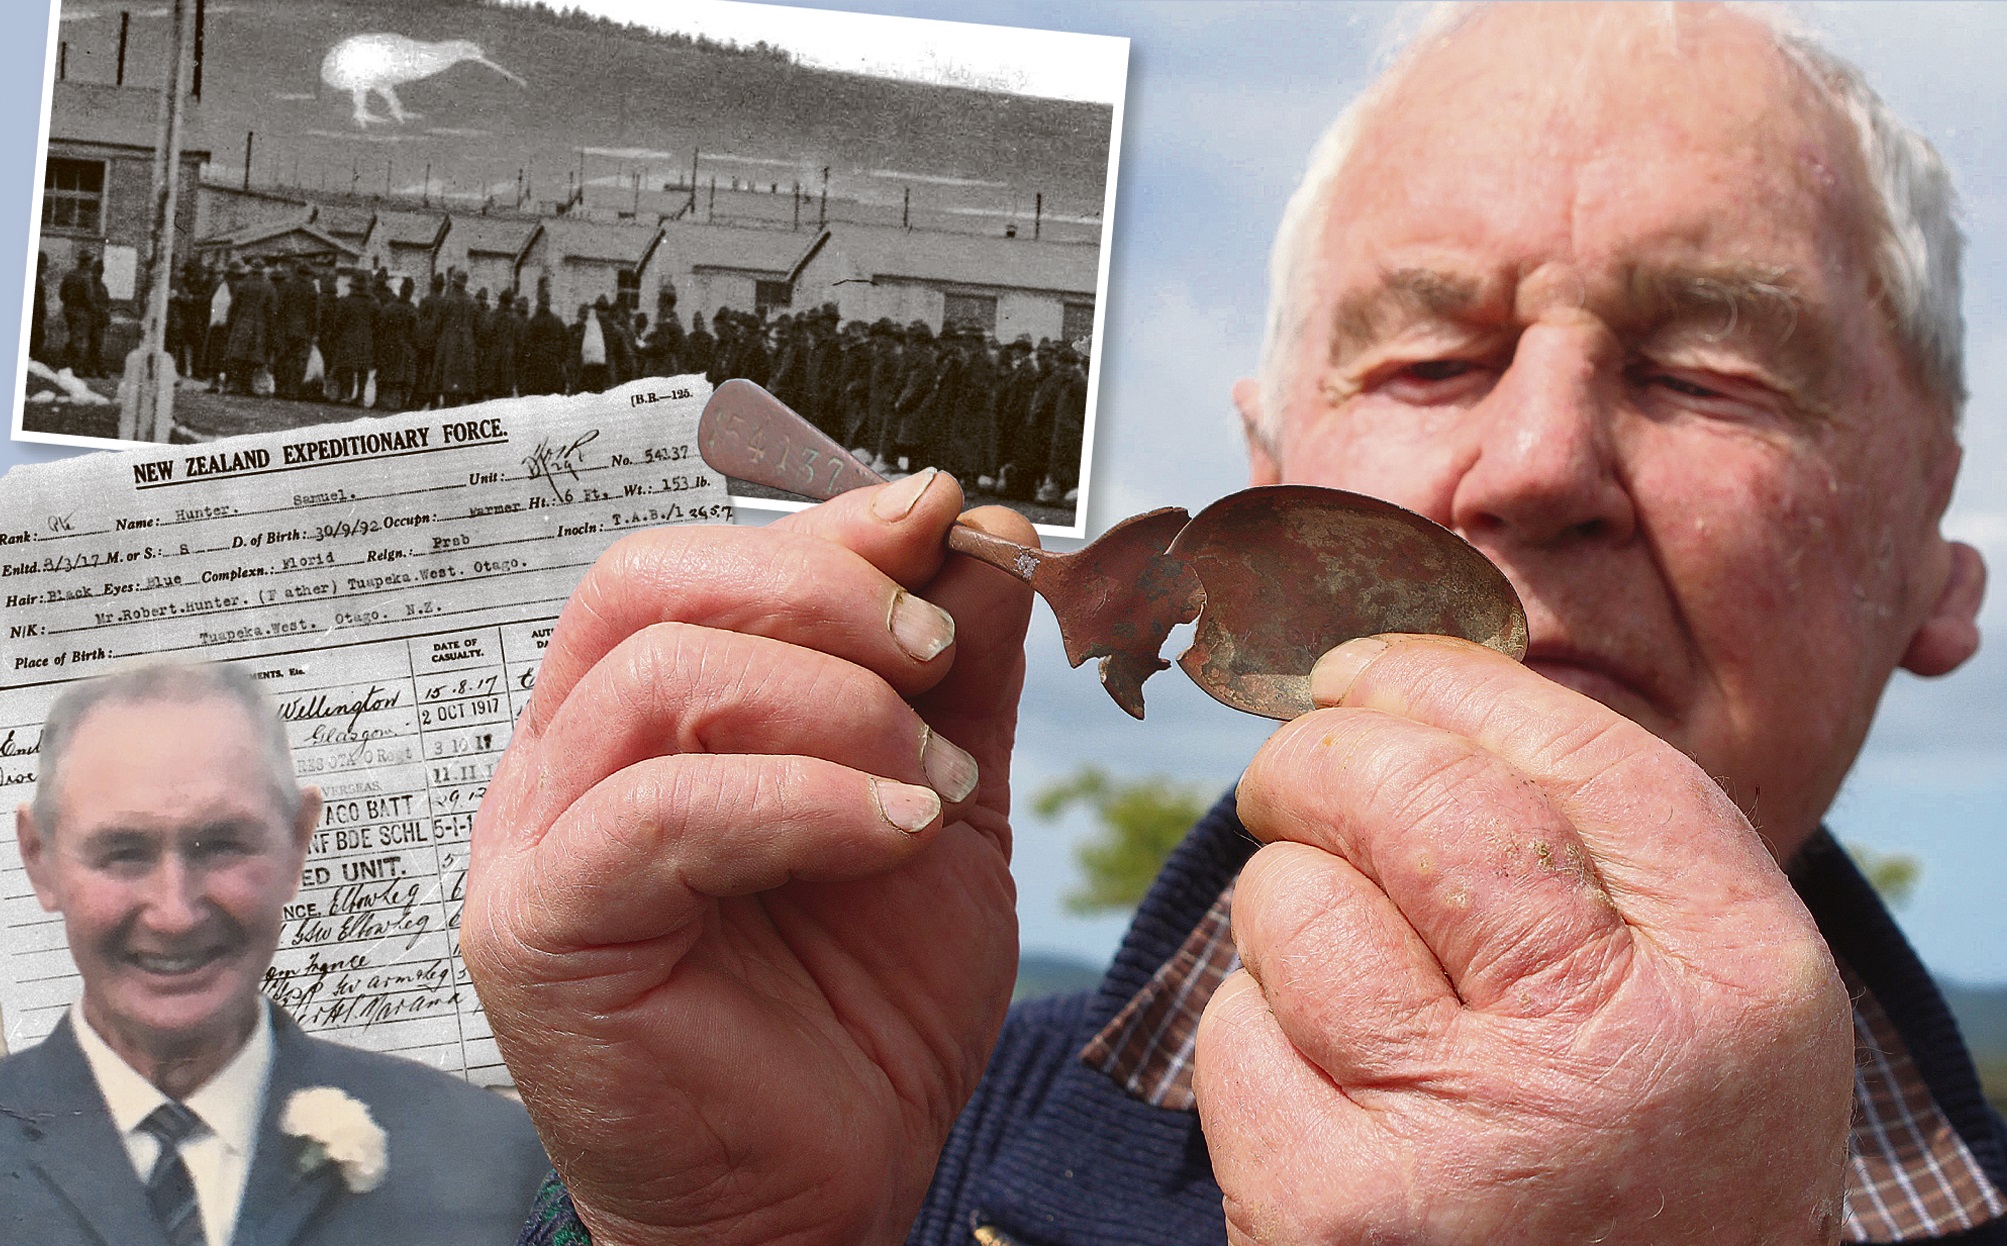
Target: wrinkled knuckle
x: 1596, y: 741
x: 1306, y: 744
x: 1290, y: 928
x: 1437, y: 778
x: 690, y: 795
x: 655, y: 556
x: 1798, y: 982
x: 684, y: 668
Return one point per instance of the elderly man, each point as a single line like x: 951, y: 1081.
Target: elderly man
x: 174, y: 1106
x: 1655, y: 306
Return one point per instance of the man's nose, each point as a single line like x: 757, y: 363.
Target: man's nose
x: 1546, y: 469
x: 174, y: 897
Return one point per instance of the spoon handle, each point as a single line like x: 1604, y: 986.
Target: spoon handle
x: 1021, y: 561
x: 750, y: 434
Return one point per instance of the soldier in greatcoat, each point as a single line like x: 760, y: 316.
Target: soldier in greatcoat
x: 298, y: 325
x: 1069, y: 421
x: 484, y: 343
x: 248, y: 342
x: 454, y: 368
x: 354, y: 341
x: 75, y: 293
x: 913, y: 410
x: 505, y: 343
x: 546, y: 343
x: 396, y: 351
x: 425, y: 344
x: 693, y: 353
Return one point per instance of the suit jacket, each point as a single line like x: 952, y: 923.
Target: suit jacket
x: 464, y: 1163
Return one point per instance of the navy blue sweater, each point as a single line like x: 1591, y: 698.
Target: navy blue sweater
x: 1053, y: 1153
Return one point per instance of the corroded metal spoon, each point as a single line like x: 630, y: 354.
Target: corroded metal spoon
x: 1293, y: 571
x: 1284, y: 573
x: 1116, y: 599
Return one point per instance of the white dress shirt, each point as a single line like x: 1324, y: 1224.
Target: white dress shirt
x: 230, y: 1105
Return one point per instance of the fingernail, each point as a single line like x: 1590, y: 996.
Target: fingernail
x: 1336, y: 671
x: 949, y: 770
x: 897, y: 502
x: 907, y: 806
x: 922, y: 628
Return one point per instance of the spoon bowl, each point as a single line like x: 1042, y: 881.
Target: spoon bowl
x: 1293, y: 571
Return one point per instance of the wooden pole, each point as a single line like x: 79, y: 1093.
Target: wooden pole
x: 201, y: 20
x: 146, y: 409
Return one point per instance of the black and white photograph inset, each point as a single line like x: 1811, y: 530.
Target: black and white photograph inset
x: 900, y: 227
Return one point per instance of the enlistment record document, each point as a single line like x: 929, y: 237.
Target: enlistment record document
x: 393, y: 582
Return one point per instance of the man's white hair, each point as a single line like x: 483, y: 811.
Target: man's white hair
x: 1917, y: 251
x: 161, y: 681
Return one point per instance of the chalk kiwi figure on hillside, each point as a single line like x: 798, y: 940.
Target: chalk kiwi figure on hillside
x: 381, y: 63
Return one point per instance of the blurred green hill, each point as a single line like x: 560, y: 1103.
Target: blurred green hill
x: 1982, y: 1016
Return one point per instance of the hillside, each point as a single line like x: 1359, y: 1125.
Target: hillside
x: 1044, y: 973
x: 634, y: 104
x: 1982, y: 1017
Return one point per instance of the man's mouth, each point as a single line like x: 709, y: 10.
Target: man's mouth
x: 176, y: 964
x: 1622, y: 689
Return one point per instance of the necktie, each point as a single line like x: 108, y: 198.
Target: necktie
x: 168, y: 1189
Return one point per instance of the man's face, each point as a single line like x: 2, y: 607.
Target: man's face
x: 1598, y: 297
x: 171, y: 861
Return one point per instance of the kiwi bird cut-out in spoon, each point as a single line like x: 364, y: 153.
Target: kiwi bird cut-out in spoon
x: 1276, y: 576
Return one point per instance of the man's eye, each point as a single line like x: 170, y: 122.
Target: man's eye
x: 1680, y: 385
x: 211, y: 848
x: 1434, y: 382
x: 1438, y: 369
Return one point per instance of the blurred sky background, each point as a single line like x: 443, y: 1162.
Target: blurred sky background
x: 1224, y: 102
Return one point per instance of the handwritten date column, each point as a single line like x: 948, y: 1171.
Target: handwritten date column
x: 464, y: 713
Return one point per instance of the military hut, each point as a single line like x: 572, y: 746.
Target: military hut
x: 405, y: 242
x: 1000, y: 286
x: 488, y: 249
x: 745, y: 269
x: 584, y: 260
x: 97, y: 183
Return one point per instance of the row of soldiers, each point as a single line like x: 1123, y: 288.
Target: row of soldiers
x: 374, y: 345
x: 1006, y: 418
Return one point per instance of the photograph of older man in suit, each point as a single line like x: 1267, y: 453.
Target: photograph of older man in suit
x: 169, y: 830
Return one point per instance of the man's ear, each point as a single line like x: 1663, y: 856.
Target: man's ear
x: 1950, y: 633
x: 35, y: 856
x: 1262, y: 467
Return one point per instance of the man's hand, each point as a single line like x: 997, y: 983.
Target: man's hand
x: 1516, y: 971
x: 740, y: 908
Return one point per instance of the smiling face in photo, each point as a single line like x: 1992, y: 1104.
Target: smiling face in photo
x: 171, y: 860
x: 1615, y: 320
